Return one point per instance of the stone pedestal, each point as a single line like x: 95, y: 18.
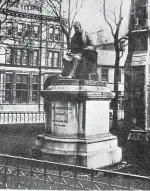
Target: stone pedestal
x: 77, y: 125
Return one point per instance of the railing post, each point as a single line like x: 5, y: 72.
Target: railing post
x: 11, y: 118
x: 31, y: 174
x: 18, y: 163
x: 4, y: 117
x: 31, y: 117
x: 110, y: 181
x: 16, y: 116
x: 60, y: 177
x: 129, y: 184
x: 92, y: 178
x: 24, y: 116
x: 75, y: 177
x: 145, y: 185
x: 45, y: 169
x: 5, y: 173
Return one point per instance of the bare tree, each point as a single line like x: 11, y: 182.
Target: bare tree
x: 115, y: 22
x: 5, y: 6
x: 71, y: 9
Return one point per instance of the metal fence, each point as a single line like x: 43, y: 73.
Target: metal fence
x: 24, y: 173
x: 22, y: 117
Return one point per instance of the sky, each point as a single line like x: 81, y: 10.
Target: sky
x: 92, y: 19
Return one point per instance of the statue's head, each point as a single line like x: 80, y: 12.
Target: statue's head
x: 77, y: 27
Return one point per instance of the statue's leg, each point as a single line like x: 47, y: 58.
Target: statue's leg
x: 76, y: 66
x: 66, y: 68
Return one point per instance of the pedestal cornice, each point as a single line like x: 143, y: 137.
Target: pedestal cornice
x: 77, y: 89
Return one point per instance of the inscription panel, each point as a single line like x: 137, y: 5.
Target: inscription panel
x: 64, y: 117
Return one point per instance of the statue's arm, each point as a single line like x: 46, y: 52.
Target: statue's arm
x: 90, y: 42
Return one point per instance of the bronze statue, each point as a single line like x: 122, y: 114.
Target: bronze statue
x: 82, y: 46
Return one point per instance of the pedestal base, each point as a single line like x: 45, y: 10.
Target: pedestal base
x: 139, y: 135
x: 92, y: 152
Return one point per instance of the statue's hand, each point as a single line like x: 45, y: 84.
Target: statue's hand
x: 89, y: 48
x: 69, y: 52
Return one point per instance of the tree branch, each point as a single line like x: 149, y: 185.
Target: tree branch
x: 105, y: 17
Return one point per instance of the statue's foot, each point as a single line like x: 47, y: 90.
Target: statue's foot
x: 70, y: 77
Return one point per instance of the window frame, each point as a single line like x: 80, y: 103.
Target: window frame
x: 31, y: 58
x: 49, y: 59
x: 8, y: 89
x: 21, y: 30
x: 27, y: 57
x: 35, y: 90
x: 106, y: 79
x: 55, y: 60
x: 57, y: 35
x: 22, y: 90
x: 34, y: 34
x: 10, y: 56
x: 51, y: 34
x: 9, y: 28
x: 18, y: 58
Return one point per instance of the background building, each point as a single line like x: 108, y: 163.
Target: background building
x: 105, y: 69
x: 30, y: 59
x: 137, y: 81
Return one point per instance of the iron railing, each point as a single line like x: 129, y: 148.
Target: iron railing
x: 25, y: 173
x: 22, y: 117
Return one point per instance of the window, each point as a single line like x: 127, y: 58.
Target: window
x: 105, y: 74
x: 34, y: 57
x: 35, y: 87
x: 9, y: 29
x: 50, y: 59
x: 53, y: 59
x: 57, y: 34
x: 21, y: 88
x: 27, y: 30
x: 8, y: 56
x: 120, y: 101
x: 24, y: 57
x: 15, y: 88
x: 141, y: 16
x: 35, y: 31
x: 35, y: 8
x: 20, y: 29
x: 51, y: 33
x: 8, y: 88
x: 18, y: 57
x: 56, y: 59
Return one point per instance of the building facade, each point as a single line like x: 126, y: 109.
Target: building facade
x: 105, y: 69
x: 31, y: 53
x: 137, y: 71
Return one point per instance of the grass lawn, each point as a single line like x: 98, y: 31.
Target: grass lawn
x: 19, y: 139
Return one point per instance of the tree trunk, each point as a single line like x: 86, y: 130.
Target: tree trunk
x: 116, y: 77
x: 68, y: 42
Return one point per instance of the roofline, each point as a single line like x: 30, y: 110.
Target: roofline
x: 30, y: 15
